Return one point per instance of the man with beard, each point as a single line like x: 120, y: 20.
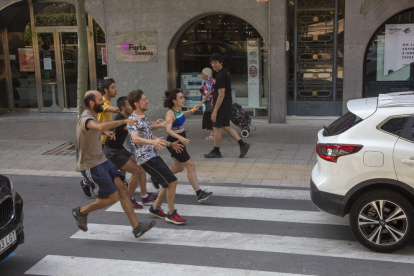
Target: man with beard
x: 109, y: 91
x: 145, y: 142
x: 98, y: 170
x: 125, y: 161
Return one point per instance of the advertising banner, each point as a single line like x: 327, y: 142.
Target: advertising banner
x: 190, y: 85
x: 26, y: 59
x: 399, y: 47
x: 400, y: 75
x: 136, y: 47
x: 253, y: 72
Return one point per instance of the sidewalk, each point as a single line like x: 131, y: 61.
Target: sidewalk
x: 280, y: 154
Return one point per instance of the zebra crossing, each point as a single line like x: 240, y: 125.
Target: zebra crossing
x: 214, y: 231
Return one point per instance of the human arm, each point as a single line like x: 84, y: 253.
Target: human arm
x: 95, y: 125
x: 171, y: 118
x: 187, y: 112
x: 158, y: 142
x: 113, y: 109
x: 109, y: 134
x: 160, y: 123
x: 205, y: 98
x: 219, y: 101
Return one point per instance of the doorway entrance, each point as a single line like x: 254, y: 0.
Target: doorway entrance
x: 58, y: 67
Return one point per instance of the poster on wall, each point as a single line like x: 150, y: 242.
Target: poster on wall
x: 26, y: 59
x: 190, y: 85
x: 253, y: 72
x: 400, y: 75
x: 399, y: 47
x: 136, y: 47
x: 103, y: 53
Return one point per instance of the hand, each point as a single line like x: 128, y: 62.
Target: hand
x: 159, y: 143
x: 177, y: 147
x: 165, y: 123
x: 213, y: 116
x: 183, y: 140
x: 159, y: 121
x: 197, y: 106
x: 109, y: 134
x: 202, y: 102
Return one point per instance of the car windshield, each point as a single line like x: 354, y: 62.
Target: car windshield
x: 342, y: 124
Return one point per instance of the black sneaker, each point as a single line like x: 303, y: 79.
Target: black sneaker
x: 85, y: 188
x: 155, y: 183
x: 142, y: 228
x: 81, y: 219
x: 244, y: 149
x: 203, y: 195
x: 213, y: 154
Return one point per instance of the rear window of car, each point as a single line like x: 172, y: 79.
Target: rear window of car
x: 342, y: 124
x: 394, y: 125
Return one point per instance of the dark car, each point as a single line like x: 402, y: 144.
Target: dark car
x: 11, y: 218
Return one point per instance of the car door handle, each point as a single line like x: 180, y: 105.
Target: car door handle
x: 407, y: 161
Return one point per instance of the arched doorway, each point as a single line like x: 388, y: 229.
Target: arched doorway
x: 388, y: 62
x: 245, y: 55
x: 40, y: 48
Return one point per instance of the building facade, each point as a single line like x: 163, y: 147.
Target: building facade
x: 285, y: 57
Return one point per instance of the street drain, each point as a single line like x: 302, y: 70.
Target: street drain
x: 67, y: 149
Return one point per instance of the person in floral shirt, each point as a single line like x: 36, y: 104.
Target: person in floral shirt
x: 206, y: 98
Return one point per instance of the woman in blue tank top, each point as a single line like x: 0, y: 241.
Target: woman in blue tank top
x: 174, y: 101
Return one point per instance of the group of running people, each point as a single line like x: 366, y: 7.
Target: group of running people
x: 103, y: 161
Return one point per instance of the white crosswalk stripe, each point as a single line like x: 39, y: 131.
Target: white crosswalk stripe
x: 76, y: 266
x: 238, y: 241
x: 185, y: 189
x: 243, y: 243
x: 293, y: 216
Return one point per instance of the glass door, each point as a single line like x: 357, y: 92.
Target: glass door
x: 68, y: 45
x: 48, y: 70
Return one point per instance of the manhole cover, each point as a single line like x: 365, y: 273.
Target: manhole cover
x: 67, y: 149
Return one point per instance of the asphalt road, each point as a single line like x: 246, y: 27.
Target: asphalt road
x: 241, y: 230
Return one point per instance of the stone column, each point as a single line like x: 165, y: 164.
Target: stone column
x: 278, y: 12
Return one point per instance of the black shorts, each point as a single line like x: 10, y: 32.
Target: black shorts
x: 157, y: 168
x: 183, y: 156
x: 117, y: 156
x: 223, y: 117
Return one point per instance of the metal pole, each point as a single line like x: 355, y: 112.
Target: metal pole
x: 335, y: 57
x: 295, y: 78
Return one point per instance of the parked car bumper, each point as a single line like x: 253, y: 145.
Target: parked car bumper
x: 15, y: 224
x: 326, y: 202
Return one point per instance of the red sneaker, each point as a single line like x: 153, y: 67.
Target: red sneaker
x: 149, y: 200
x: 175, y: 218
x: 158, y: 213
x: 135, y: 204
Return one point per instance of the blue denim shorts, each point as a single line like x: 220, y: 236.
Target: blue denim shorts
x: 103, y: 177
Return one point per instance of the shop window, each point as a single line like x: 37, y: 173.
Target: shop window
x: 388, y: 65
x: 229, y: 36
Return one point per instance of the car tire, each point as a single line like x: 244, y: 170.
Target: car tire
x: 382, y: 229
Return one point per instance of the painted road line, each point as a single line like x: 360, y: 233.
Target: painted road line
x: 77, y: 266
x: 183, y: 189
x: 314, y: 217
x: 251, y: 242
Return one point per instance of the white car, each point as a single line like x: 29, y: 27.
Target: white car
x: 366, y: 169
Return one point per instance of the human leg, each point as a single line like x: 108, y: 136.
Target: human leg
x: 192, y: 178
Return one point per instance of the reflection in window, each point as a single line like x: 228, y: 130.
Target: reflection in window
x: 395, y: 125
x: 227, y: 35
x: 375, y: 82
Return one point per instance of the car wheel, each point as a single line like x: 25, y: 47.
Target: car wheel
x: 382, y: 220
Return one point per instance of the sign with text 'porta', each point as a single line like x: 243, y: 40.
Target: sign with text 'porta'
x: 136, y: 47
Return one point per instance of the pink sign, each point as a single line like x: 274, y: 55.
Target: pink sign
x: 104, y: 59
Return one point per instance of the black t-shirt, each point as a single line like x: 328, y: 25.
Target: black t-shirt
x: 120, y: 134
x: 223, y: 81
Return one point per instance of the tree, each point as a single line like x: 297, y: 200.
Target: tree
x: 82, y: 53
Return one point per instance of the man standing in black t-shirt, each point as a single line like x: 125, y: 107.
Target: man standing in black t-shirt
x: 221, y: 114
x: 125, y: 161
